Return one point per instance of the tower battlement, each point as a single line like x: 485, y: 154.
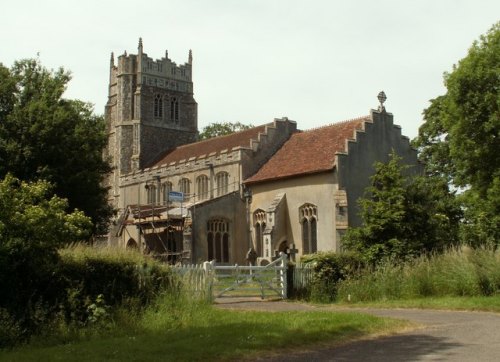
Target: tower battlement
x: 162, y: 73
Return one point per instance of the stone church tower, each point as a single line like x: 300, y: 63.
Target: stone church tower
x: 150, y: 109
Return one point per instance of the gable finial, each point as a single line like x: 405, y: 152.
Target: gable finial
x: 381, y: 98
x: 190, y: 58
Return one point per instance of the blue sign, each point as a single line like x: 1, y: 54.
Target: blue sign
x: 176, y: 196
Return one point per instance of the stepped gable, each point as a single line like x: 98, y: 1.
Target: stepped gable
x: 310, y: 151
x: 212, y: 146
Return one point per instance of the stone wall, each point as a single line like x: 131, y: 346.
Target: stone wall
x: 374, y: 144
x: 230, y: 208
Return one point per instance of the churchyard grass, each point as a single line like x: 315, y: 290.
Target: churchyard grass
x: 181, y: 329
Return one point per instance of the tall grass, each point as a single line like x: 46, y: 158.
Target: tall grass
x: 457, y: 272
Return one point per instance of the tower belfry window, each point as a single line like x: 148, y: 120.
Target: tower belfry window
x: 158, y: 106
x: 174, y: 110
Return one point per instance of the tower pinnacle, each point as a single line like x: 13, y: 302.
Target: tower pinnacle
x: 139, y: 48
x: 190, y: 58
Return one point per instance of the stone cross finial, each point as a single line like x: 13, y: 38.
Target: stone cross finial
x: 381, y: 98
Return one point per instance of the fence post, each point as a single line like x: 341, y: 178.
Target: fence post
x: 209, y: 267
x: 283, y: 272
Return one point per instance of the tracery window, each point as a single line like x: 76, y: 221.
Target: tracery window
x: 218, y: 240
x: 202, y: 187
x: 222, y: 179
x: 158, y: 106
x: 259, y: 222
x: 185, y: 186
x: 308, y: 217
x: 166, y: 188
x: 151, y: 194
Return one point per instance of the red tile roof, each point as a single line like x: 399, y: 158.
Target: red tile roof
x: 212, y: 145
x: 308, y: 152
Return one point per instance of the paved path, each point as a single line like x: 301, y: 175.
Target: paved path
x: 445, y: 336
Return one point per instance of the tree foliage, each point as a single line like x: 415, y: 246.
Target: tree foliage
x: 33, y: 225
x: 221, y: 129
x: 460, y: 138
x: 46, y: 137
x: 403, y: 216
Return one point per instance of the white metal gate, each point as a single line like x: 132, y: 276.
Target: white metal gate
x: 248, y: 281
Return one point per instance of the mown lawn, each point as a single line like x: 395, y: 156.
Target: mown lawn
x: 211, y: 334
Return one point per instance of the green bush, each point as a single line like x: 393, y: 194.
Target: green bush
x: 329, y: 269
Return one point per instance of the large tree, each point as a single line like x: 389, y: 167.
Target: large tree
x: 460, y: 138
x: 44, y: 136
x: 217, y: 129
x: 403, y: 216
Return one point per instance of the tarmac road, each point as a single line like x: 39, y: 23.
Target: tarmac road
x: 445, y: 336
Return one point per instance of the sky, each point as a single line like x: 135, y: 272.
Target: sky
x: 316, y: 62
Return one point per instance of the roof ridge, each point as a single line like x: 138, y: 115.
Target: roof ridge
x: 338, y: 123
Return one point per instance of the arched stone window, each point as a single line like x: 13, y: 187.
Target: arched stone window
x: 202, y: 187
x: 218, y: 240
x: 158, y: 106
x: 308, y: 217
x: 222, y: 179
x: 259, y: 222
x: 151, y: 194
x: 185, y: 186
x: 166, y: 188
x: 174, y: 110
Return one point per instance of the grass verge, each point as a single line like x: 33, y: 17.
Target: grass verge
x: 201, y: 332
x: 484, y: 304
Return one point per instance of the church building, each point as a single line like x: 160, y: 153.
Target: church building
x: 260, y: 191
